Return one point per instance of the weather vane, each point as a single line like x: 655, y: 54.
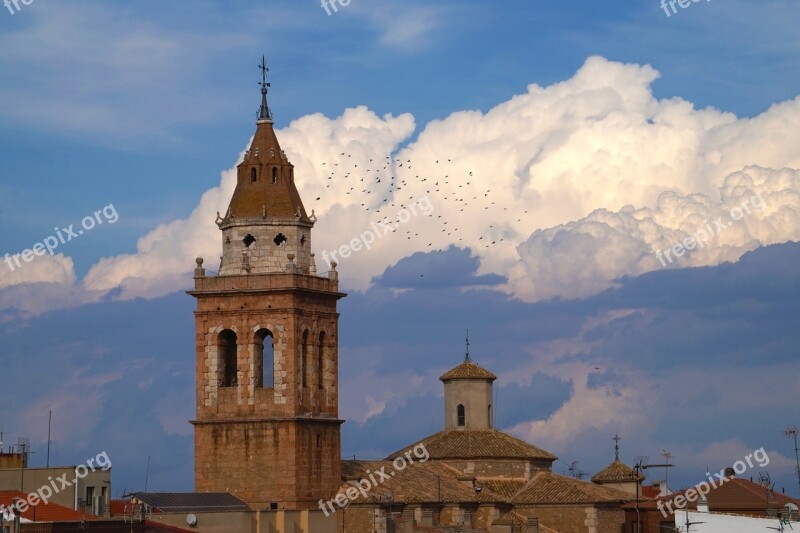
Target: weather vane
x: 616, y: 440
x: 264, y: 112
x: 466, y: 355
x: 263, y: 68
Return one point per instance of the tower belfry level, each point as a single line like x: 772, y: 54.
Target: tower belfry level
x: 267, y: 427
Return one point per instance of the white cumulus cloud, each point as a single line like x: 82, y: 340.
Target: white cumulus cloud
x: 562, y: 188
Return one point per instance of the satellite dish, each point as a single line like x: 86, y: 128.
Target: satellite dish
x: 191, y: 519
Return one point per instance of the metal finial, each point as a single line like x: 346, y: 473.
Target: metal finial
x: 616, y: 440
x: 264, y: 112
x: 466, y: 355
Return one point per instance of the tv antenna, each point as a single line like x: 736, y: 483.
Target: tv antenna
x: 575, y: 472
x: 791, y: 432
x: 642, y: 464
x: 689, y: 524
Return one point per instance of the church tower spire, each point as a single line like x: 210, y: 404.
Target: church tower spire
x: 267, y: 427
x: 266, y: 228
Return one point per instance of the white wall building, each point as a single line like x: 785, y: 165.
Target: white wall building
x: 723, y: 523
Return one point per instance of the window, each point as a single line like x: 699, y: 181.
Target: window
x: 462, y: 419
x: 228, y: 358
x: 253, y: 175
x: 264, y: 354
x: 274, y: 174
x: 489, y: 415
x: 89, y: 497
x: 321, y: 360
x: 303, y: 361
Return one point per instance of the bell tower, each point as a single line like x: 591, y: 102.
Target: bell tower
x: 267, y: 427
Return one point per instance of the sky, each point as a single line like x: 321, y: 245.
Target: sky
x: 607, y: 195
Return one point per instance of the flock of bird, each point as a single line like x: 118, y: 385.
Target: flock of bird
x: 382, y: 187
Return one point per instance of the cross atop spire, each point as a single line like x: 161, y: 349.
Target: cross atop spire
x: 264, y: 112
x: 466, y: 355
x: 616, y: 440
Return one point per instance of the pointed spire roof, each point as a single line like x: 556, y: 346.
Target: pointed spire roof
x: 265, y: 186
x: 617, y: 471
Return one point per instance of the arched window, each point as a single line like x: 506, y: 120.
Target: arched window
x: 490, y: 415
x: 264, y: 354
x: 253, y: 175
x: 274, y: 174
x: 321, y: 360
x: 462, y: 419
x: 228, y: 358
x: 304, y: 361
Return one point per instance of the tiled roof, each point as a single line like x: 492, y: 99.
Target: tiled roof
x: 417, y: 483
x: 547, y: 487
x: 617, y: 472
x: 120, y: 507
x: 651, y: 491
x: 468, y: 370
x: 188, y: 502
x: 478, y: 444
x: 44, y: 512
x: 504, y: 487
x: 277, y: 198
x: 734, y: 495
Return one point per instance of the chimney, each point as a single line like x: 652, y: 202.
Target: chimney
x: 730, y: 472
x: 702, y: 504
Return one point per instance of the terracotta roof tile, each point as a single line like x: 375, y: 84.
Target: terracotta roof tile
x: 417, y: 483
x: 733, y: 495
x: 616, y: 472
x: 279, y: 198
x: 44, y: 512
x: 468, y: 370
x: 478, y: 444
x: 547, y: 487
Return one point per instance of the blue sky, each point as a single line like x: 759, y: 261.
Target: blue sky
x: 616, y: 129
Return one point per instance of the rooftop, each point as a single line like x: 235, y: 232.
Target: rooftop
x: 468, y: 370
x: 460, y: 443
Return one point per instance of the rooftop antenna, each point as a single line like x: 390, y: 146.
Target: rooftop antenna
x: 575, y: 472
x: 666, y: 465
x: 49, y: 424
x: 147, y: 473
x: 667, y: 456
x: 791, y: 432
x: 690, y: 524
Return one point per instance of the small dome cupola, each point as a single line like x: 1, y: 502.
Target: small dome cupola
x: 468, y: 392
